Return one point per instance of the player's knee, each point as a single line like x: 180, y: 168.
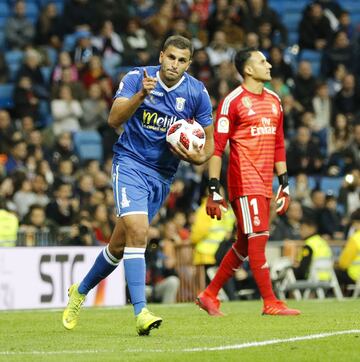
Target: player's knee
x: 136, y: 236
x: 116, y: 249
x: 241, y: 250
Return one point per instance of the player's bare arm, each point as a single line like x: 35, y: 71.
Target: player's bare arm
x: 123, y: 108
x: 197, y: 156
x: 215, y: 164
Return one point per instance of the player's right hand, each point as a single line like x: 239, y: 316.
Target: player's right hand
x: 215, y: 203
x: 148, y: 83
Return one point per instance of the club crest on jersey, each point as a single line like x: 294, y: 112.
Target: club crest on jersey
x: 256, y: 220
x: 274, y: 109
x: 180, y: 104
x: 246, y: 101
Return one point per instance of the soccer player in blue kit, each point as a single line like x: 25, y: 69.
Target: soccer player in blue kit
x: 148, y: 101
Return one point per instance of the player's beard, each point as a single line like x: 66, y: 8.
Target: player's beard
x: 170, y: 77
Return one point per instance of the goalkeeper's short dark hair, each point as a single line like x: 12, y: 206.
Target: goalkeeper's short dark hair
x: 241, y: 57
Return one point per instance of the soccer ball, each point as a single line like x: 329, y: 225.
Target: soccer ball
x: 188, y: 133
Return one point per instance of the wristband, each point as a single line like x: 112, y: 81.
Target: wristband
x: 283, y: 179
x: 214, y: 185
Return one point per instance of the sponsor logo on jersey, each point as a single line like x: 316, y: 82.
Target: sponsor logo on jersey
x: 223, y: 125
x: 158, y: 122
x: 157, y: 93
x: 264, y: 129
x: 180, y: 103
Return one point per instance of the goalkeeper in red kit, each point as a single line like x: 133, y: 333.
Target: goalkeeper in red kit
x: 250, y: 118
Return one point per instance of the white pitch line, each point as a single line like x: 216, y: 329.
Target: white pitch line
x: 85, y: 351
x: 251, y: 344
x: 199, y: 349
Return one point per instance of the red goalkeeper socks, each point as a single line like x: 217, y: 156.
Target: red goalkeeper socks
x: 259, y: 266
x: 231, y: 261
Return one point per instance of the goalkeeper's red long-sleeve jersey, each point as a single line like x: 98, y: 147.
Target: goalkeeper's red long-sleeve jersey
x: 253, y: 125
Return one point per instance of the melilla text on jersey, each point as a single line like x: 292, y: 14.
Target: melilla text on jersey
x: 157, y: 121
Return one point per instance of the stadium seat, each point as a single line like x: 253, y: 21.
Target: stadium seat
x: 355, y: 18
x: 351, y: 5
x: 293, y: 37
x: 2, y: 41
x: 32, y: 10
x: 310, y: 55
x: 4, y: 10
x: 6, y: 95
x: 13, y: 71
x: 88, y: 145
x: 69, y: 42
x: 331, y: 184
x: 294, y: 6
x: 60, y: 6
x: 14, y: 56
x: 314, y: 57
x: 46, y: 73
x: 14, y: 60
x: 288, y: 283
x: 52, y: 55
x: 291, y: 21
x: 357, y: 289
x: 3, y: 21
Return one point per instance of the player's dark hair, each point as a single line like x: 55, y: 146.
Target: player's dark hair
x: 241, y: 57
x: 179, y: 42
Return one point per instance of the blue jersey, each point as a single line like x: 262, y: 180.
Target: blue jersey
x: 144, y: 138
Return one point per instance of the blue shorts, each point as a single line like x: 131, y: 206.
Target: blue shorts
x: 136, y: 192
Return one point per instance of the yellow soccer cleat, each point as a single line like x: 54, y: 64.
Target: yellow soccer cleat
x: 72, y: 310
x: 146, y: 321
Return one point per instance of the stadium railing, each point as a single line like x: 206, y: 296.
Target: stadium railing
x: 192, y: 277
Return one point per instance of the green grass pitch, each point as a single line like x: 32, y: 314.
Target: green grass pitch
x: 187, y: 334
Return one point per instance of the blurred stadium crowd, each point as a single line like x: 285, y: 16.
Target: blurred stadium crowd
x: 61, y: 61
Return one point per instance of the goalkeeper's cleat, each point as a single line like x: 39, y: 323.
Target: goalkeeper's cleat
x: 278, y: 307
x: 209, y: 303
x: 72, y: 310
x: 146, y: 321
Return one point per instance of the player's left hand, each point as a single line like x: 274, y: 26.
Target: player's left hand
x: 282, y: 199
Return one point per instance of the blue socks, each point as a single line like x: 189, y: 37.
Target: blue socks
x: 104, y: 265
x: 134, y: 264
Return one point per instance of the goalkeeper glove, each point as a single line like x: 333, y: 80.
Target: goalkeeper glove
x: 215, y: 202
x: 283, y: 194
